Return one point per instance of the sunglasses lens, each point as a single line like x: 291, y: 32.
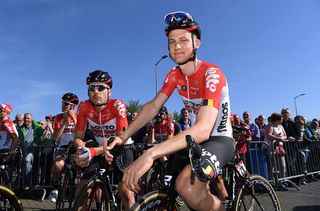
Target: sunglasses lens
x: 100, y: 88
x: 66, y: 103
x: 176, y: 16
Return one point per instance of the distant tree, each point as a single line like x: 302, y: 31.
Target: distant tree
x: 133, y: 106
x: 176, y: 115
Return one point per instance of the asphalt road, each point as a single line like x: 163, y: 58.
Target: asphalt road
x: 307, y: 199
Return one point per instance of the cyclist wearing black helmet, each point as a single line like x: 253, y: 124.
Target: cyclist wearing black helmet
x: 64, y: 132
x: 106, y: 118
x: 204, y: 91
x: 161, y: 129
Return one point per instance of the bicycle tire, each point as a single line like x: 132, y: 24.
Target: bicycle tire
x: 8, y: 200
x: 257, y: 195
x: 88, y: 198
x: 153, y: 201
x: 5, y: 179
x: 64, y: 199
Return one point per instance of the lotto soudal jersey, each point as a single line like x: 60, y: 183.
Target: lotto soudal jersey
x: 207, y: 86
x: 162, y: 131
x: 69, y: 129
x: 104, y: 123
x: 7, y: 132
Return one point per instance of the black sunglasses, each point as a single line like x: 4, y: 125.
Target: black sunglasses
x: 67, y: 103
x: 99, y: 87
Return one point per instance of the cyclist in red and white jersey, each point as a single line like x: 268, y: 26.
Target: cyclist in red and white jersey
x: 64, y: 133
x: 161, y: 129
x: 106, y: 118
x: 204, y: 91
x: 8, y: 132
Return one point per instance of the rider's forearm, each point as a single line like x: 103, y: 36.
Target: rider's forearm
x: 57, y: 133
x: 178, y: 142
x: 14, y: 144
x: 146, y: 114
x: 98, y: 150
x: 78, y: 139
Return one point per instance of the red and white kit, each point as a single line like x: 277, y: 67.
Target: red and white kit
x: 105, y: 123
x: 68, y: 132
x: 7, y: 132
x: 206, y: 86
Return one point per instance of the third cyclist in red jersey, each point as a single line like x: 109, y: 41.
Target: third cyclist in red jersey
x: 106, y: 118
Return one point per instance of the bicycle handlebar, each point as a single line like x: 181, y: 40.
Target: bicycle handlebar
x: 195, y: 151
x: 117, y: 151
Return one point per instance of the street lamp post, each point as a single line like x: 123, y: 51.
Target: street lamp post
x: 156, y: 71
x: 295, y: 103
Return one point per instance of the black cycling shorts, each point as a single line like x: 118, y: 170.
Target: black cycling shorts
x: 216, y: 153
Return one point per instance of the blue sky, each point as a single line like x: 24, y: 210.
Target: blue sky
x: 269, y: 50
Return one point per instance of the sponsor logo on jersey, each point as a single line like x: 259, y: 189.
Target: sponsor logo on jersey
x: 191, y: 106
x: 121, y: 108
x: 104, y: 127
x: 104, y: 135
x: 212, y: 78
x: 224, y: 119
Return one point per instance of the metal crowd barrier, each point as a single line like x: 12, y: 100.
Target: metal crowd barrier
x: 301, y: 159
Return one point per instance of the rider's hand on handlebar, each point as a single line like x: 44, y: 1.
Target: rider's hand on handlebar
x: 108, y: 145
x: 82, y: 157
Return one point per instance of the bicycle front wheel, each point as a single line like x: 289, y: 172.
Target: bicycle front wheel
x: 257, y: 195
x: 93, y: 197
x: 65, y: 191
x: 155, y: 200
x: 8, y: 200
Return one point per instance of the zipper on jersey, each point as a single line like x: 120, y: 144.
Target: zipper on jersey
x: 187, y: 80
x: 188, y: 93
x: 100, y: 120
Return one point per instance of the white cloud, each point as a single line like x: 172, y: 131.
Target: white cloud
x: 34, y: 96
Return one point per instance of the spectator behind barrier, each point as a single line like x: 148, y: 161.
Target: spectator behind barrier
x: 261, y: 122
x: 184, y: 120
x: 253, y: 127
x: 30, y: 136
x: 289, y: 125
x: 242, y: 136
x: 275, y: 132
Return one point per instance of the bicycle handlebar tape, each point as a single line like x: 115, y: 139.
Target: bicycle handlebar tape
x: 195, y: 147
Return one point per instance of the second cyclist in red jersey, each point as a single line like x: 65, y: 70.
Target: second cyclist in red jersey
x: 106, y: 118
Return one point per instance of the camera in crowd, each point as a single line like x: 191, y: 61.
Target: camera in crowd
x: 237, y: 129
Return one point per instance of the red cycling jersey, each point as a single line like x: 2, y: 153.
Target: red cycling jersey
x: 105, y: 123
x: 68, y: 132
x: 162, y: 131
x: 206, y: 86
x: 7, y: 132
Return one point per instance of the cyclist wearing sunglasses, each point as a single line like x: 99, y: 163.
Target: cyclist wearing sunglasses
x: 106, y: 118
x: 204, y: 90
x: 64, y: 132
